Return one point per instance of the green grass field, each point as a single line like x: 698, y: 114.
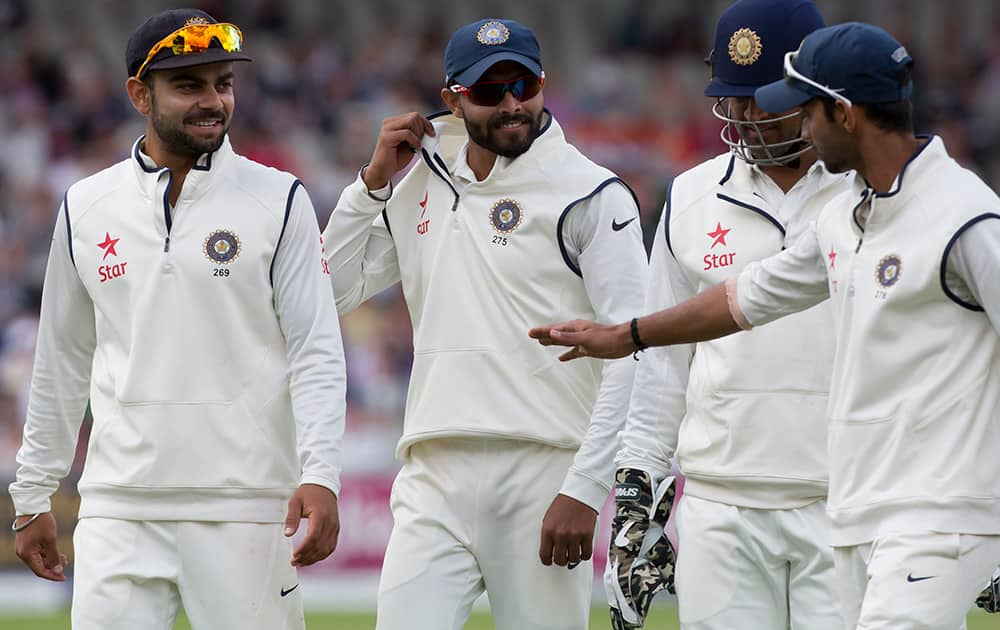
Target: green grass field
x: 660, y: 618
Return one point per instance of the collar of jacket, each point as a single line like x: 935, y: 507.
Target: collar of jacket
x: 918, y: 168
x: 738, y: 179
x: 198, y: 179
x: 442, y: 151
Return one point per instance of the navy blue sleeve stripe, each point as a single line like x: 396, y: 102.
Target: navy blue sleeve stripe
x: 284, y: 224
x: 385, y: 218
x: 759, y: 211
x: 947, y: 252
x: 666, y: 218
x: 69, y: 228
x: 562, y: 218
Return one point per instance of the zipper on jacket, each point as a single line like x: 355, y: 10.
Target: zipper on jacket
x: 167, y: 219
x: 434, y: 168
x: 865, y: 194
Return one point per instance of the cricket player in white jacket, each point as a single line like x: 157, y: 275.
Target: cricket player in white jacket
x: 910, y: 261
x: 744, y: 416
x: 507, y: 457
x: 186, y: 299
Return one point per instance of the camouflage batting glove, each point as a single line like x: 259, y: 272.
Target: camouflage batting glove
x: 989, y: 599
x: 640, y: 558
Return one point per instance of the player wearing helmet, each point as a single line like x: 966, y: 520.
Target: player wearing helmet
x: 742, y: 417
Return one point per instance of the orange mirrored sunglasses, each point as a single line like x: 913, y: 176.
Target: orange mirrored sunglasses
x: 196, y: 38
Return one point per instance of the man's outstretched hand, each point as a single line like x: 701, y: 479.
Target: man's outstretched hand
x: 586, y: 339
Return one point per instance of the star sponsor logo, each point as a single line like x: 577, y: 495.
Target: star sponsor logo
x: 832, y: 256
x: 717, y: 261
x: 718, y: 235
x: 107, y: 272
x: 424, y: 225
x: 109, y: 245
x: 322, y: 258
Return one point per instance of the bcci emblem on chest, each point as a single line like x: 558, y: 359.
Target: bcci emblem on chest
x: 222, y: 247
x: 506, y: 216
x: 888, y: 270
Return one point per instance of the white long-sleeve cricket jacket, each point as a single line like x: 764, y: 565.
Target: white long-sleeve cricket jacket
x: 545, y: 237
x: 204, y: 336
x: 915, y: 394
x: 747, y: 421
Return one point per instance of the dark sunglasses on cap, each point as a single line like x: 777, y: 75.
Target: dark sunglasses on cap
x: 491, y: 93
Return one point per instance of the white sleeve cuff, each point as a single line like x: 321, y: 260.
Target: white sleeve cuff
x: 380, y: 195
x: 585, y: 490
x: 732, y: 297
x: 333, y: 485
x: 35, y: 504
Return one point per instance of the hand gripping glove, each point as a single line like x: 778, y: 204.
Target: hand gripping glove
x: 640, y: 558
x: 989, y: 599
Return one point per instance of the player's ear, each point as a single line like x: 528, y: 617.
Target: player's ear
x: 453, y: 102
x: 847, y: 115
x: 140, y: 95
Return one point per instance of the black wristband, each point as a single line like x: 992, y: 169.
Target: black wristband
x: 362, y: 176
x: 639, y: 345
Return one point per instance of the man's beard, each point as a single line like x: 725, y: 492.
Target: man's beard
x: 177, y: 141
x: 488, y: 135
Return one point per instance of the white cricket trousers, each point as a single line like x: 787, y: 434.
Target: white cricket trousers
x: 132, y: 575
x: 467, y: 518
x: 911, y: 581
x: 751, y: 569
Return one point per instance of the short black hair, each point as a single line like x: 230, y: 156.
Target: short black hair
x: 893, y: 117
x: 896, y: 116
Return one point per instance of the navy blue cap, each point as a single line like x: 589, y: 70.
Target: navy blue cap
x: 751, y: 40
x: 861, y: 62
x: 476, y: 47
x: 150, y: 32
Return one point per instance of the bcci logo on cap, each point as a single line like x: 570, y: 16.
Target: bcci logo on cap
x: 196, y: 20
x: 745, y: 47
x: 888, y: 270
x: 222, y: 246
x: 493, y: 34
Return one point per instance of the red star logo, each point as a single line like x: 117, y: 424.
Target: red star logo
x: 833, y: 258
x: 719, y: 235
x: 423, y: 205
x: 109, y: 245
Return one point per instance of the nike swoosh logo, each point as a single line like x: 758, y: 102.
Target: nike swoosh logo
x: 621, y: 539
x: 910, y: 578
x: 617, y: 227
x: 286, y: 592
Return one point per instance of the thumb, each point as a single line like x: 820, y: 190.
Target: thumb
x: 51, y: 558
x: 294, y: 515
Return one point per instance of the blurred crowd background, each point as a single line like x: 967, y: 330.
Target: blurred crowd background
x: 624, y: 77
